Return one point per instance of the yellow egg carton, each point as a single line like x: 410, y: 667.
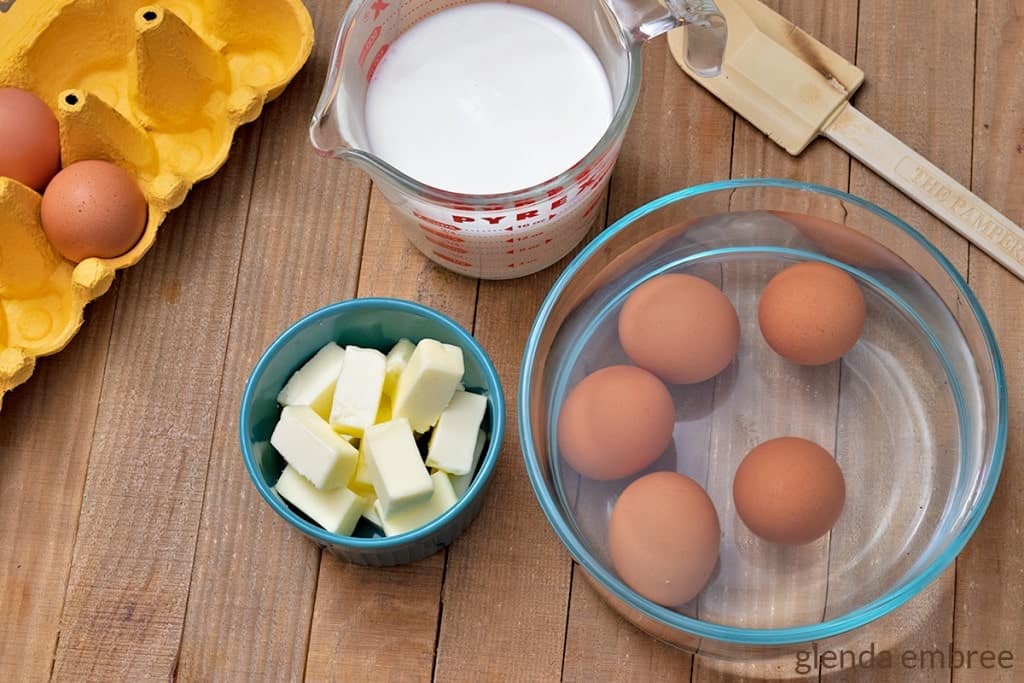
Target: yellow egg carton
x: 157, y: 89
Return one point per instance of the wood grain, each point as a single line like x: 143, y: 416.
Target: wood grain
x: 524, y: 583
x: 680, y: 135
x: 798, y: 597
x: 46, y: 431
x: 599, y: 644
x: 140, y: 512
x: 381, y: 623
x: 507, y: 576
x: 252, y: 590
x: 930, y: 109
x: 990, y: 572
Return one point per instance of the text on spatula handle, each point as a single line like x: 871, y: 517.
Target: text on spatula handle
x: 988, y: 225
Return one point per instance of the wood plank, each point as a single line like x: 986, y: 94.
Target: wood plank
x: 800, y: 665
x: 753, y: 588
x: 46, y: 430
x: 255, y: 578
x: 898, y: 46
x: 989, y: 585
x: 680, y: 135
x: 373, y: 623
x: 507, y: 585
x: 481, y: 638
x: 600, y: 645
x: 140, y: 511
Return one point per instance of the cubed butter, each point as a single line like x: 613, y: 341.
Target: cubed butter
x: 414, y: 517
x: 337, y: 510
x: 360, y: 385
x: 453, y: 439
x: 361, y: 482
x: 309, y: 445
x: 399, y: 476
x: 461, y: 483
x: 384, y: 410
x: 313, y: 384
x: 428, y: 383
x: 396, y: 361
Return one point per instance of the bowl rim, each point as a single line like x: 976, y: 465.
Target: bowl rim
x: 732, y: 634
x: 488, y: 460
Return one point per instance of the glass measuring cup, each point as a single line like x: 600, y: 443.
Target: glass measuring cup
x: 512, y: 234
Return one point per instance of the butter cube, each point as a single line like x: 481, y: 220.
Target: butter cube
x: 396, y: 361
x: 384, y: 410
x: 337, y: 510
x: 428, y: 383
x: 454, y: 437
x: 370, y: 513
x: 360, y: 385
x: 461, y: 483
x: 313, y: 384
x: 412, y: 518
x: 362, y: 482
x: 399, y: 476
x: 313, y: 448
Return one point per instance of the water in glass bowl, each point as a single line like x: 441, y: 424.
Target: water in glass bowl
x: 892, y: 411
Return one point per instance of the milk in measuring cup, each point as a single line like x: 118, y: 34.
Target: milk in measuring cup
x: 487, y: 98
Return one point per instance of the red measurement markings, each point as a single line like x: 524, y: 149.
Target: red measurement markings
x: 449, y: 259
x: 522, y: 263
x: 379, y: 6
x: 531, y: 243
x: 368, y: 45
x: 439, y: 233
x: 445, y: 245
x: 377, y: 60
x: 526, y: 238
x: 435, y: 222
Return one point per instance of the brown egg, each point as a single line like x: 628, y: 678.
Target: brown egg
x: 29, y: 139
x: 93, y: 209
x: 680, y: 327
x: 663, y: 537
x: 811, y: 313
x: 615, y: 422
x: 789, y: 490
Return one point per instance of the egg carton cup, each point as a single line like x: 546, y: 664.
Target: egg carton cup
x: 159, y: 90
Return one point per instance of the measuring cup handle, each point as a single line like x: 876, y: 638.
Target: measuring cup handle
x: 706, y: 35
x: 706, y: 31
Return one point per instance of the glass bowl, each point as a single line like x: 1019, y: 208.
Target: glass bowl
x: 915, y: 413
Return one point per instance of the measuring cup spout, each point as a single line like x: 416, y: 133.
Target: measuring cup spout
x: 706, y: 31
x: 338, y: 129
x: 331, y: 133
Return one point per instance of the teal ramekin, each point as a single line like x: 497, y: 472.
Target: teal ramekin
x: 373, y: 323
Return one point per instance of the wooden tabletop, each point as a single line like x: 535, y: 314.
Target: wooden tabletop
x: 132, y: 544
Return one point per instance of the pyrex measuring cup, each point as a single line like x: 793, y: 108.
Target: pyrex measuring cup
x: 512, y: 234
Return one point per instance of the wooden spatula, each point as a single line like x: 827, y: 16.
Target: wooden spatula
x: 793, y: 88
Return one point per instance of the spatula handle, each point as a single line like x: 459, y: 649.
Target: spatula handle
x: 930, y: 187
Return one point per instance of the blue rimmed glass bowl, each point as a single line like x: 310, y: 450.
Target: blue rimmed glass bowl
x: 915, y: 414
x: 372, y: 323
